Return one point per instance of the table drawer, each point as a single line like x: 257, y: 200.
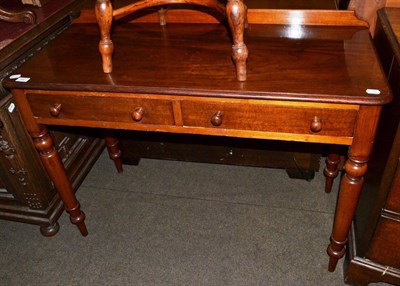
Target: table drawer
x: 276, y: 117
x: 123, y: 108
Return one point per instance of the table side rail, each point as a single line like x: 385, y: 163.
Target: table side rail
x: 251, y: 118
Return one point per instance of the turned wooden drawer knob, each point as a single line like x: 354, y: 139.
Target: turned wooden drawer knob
x: 216, y: 119
x: 55, y: 109
x: 137, y: 114
x: 316, y: 124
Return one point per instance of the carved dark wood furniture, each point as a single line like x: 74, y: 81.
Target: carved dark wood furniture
x: 306, y: 83
x: 374, y: 252
x: 26, y: 192
x: 25, y: 16
x: 235, y: 12
x: 38, y: 3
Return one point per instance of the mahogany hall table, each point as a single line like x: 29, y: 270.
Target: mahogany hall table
x: 319, y: 84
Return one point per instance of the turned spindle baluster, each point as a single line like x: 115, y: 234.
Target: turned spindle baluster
x: 236, y: 12
x: 104, y: 17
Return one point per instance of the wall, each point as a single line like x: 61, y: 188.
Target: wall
x: 366, y: 10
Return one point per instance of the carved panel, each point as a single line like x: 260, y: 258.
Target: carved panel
x: 21, y: 182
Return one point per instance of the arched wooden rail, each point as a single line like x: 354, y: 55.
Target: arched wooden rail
x: 124, y: 11
x: 235, y: 11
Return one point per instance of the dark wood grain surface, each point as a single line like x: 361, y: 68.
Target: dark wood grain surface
x: 325, y: 64
x: 391, y: 25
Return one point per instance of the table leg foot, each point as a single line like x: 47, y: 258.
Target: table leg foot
x: 77, y: 217
x: 114, y: 152
x: 331, y: 170
x: 335, y: 250
x: 236, y: 14
x: 350, y: 189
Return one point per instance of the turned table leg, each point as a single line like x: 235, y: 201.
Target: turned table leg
x: 236, y: 12
x: 331, y: 168
x: 350, y: 190
x: 352, y: 181
x: 54, y: 167
x: 51, y: 161
x: 104, y: 17
x: 114, y: 152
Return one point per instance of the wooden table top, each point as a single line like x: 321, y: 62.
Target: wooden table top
x: 308, y: 63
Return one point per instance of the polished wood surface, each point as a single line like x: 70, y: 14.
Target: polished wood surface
x: 304, y: 17
x: 305, y: 83
x: 185, y: 68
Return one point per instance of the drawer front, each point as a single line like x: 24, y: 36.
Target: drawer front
x: 270, y: 118
x: 89, y: 107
